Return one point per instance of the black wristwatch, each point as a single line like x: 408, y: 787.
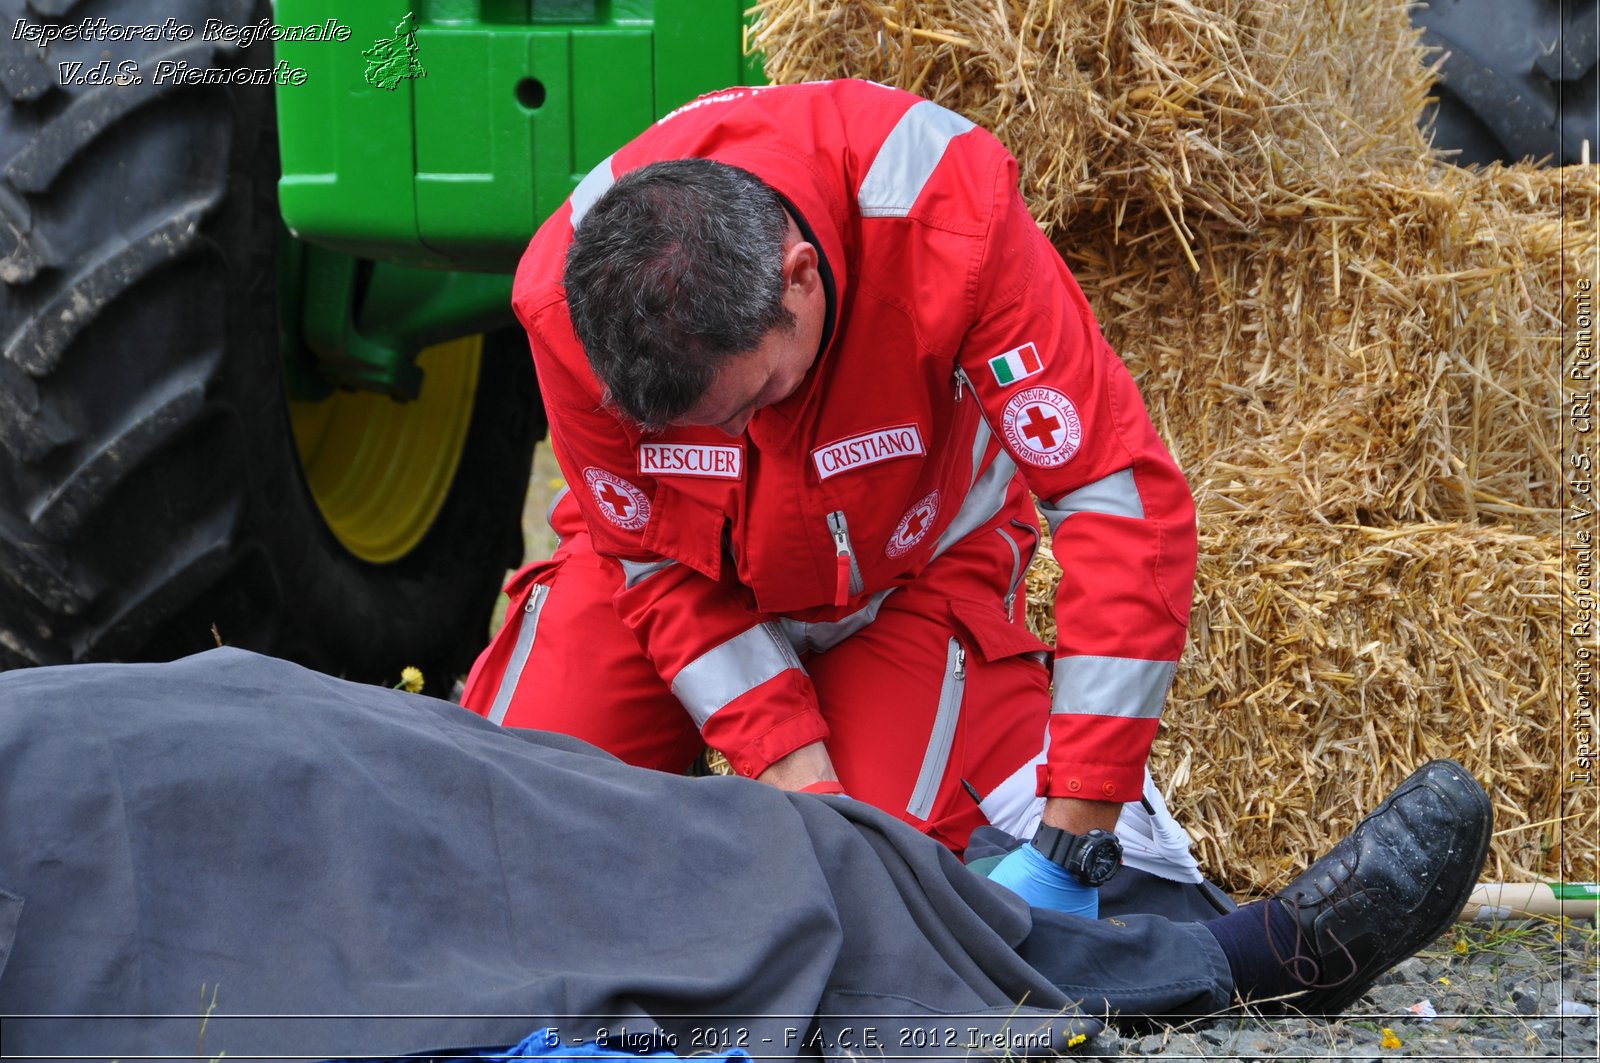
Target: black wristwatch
x: 1090, y: 858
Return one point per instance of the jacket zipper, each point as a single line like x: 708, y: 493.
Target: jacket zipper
x: 1018, y: 567
x: 847, y: 575
x: 519, y: 653
x: 943, y: 735
x: 961, y: 378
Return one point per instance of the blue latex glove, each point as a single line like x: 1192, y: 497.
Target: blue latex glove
x: 1032, y: 876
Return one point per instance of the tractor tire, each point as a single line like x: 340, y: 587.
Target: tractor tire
x: 1519, y: 78
x: 152, y: 496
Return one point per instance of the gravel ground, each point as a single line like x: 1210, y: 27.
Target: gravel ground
x: 1502, y: 991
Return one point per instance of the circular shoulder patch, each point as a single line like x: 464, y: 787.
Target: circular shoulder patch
x: 620, y: 502
x: 1041, y: 427
x: 913, y: 526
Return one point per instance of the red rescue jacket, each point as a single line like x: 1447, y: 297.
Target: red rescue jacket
x: 960, y: 354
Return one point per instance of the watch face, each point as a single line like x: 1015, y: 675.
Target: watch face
x: 1091, y: 858
x: 1100, y: 862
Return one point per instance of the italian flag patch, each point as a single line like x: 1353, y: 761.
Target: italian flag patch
x: 1015, y: 365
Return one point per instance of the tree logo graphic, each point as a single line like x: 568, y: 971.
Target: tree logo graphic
x: 394, y: 59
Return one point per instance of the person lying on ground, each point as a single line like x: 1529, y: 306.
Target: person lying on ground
x: 335, y: 870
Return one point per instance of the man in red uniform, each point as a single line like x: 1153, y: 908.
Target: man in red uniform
x: 806, y: 358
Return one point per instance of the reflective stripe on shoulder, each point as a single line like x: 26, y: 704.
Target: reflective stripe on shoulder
x: 520, y: 652
x: 550, y: 510
x: 1112, y: 686
x: 907, y: 159
x: 591, y: 188
x: 983, y: 501
x: 735, y: 667
x: 1116, y: 494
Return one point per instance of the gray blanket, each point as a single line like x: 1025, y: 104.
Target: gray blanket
x: 354, y: 871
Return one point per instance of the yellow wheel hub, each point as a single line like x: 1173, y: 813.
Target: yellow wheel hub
x: 379, y: 469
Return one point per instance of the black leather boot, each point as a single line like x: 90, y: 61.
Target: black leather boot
x: 1392, y: 886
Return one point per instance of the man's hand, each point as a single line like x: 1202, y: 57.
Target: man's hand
x: 1032, y: 876
x: 804, y: 766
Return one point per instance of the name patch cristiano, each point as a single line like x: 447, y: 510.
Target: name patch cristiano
x: 691, y: 459
x: 869, y: 448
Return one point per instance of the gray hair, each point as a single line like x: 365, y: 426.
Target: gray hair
x: 675, y: 269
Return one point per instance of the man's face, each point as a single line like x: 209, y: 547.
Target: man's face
x: 775, y: 368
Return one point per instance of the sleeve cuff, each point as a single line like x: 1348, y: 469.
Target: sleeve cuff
x: 1096, y: 758
x: 749, y: 742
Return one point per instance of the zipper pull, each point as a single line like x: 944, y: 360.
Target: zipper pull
x: 841, y: 578
x: 961, y: 662
x: 959, y: 376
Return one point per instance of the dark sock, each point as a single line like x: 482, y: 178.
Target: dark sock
x: 1259, y: 940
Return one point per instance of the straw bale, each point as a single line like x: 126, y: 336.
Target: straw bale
x: 1327, y: 661
x: 1185, y: 110
x: 1396, y: 351
x: 1356, y: 354
x: 1377, y: 463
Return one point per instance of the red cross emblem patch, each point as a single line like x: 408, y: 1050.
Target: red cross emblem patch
x: 913, y: 526
x: 618, y: 500
x: 1041, y: 427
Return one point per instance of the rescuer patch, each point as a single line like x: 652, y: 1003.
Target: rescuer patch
x: 1041, y: 427
x: 620, y: 502
x: 913, y: 527
x: 716, y: 461
x: 869, y: 448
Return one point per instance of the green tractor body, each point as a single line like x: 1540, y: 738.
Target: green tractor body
x: 454, y: 152
x: 411, y: 144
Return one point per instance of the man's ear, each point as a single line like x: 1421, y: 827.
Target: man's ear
x: 800, y: 268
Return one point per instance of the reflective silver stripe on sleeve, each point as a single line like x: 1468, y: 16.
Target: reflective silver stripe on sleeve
x: 983, y: 501
x: 519, y: 653
x: 1116, y: 494
x: 907, y: 159
x: 636, y: 572
x: 591, y: 188
x: 1112, y: 686
x: 735, y: 667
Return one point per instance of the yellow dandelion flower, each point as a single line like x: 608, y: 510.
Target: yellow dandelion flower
x: 1461, y: 946
x: 410, y: 680
x: 1444, y: 979
x: 1390, y: 1038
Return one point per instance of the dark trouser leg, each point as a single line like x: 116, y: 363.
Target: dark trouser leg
x: 1134, y: 966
